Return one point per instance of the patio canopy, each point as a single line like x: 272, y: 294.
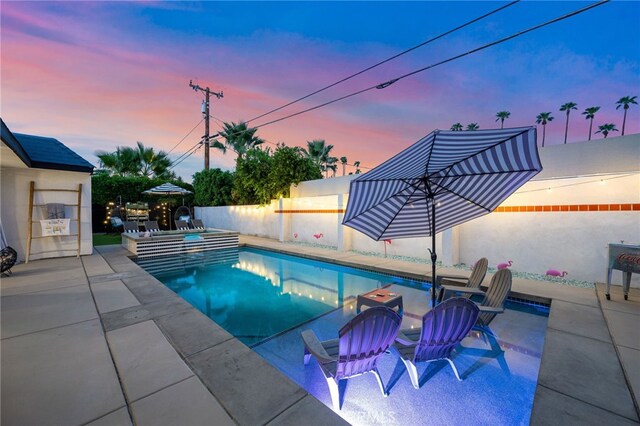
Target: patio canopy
x: 444, y: 179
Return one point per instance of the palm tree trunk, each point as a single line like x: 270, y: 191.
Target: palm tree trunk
x: 344, y: 169
x: 566, y: 128
x: 502, y: 123
x: 624, y: 119
x: 544, y: 130
x: 590, y: 127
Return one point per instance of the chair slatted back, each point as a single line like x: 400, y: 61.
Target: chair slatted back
x: 444, y: 327
x: 478, y: 273
x: 181, y: 225
x: 130, y: 227
x: 197, y: 223
x: 364, y: 339
x: 496, y: 294
x: 151, y: 225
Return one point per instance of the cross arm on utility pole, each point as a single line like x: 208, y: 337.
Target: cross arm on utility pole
x: 205, y: 111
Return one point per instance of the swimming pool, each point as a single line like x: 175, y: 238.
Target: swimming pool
x: 266, y: 299
x: 256, y: 294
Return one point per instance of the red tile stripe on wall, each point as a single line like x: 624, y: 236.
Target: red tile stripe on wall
x: 523, y: 209
x: 569, y: 208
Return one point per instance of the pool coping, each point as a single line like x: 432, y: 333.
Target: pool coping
x: 553, y: 400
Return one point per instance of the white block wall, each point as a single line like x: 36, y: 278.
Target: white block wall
x: 15, y: 209
x: 534, y: 241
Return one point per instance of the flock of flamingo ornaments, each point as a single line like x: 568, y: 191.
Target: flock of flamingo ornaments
x: 550, y: 272
x: 505, y: 265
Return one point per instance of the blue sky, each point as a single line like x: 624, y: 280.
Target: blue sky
x: 101, y: 74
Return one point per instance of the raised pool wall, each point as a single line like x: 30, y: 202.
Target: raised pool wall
x: 587, y: 196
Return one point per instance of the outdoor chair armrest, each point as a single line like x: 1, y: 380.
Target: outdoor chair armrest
x: 404, y: 340
x: 467, y: 290
x: 314, y: 346
x: 453, y: 278
x: 490, y: 310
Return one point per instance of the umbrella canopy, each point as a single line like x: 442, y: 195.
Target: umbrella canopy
x: 443, y: 180
x: 167, y: 189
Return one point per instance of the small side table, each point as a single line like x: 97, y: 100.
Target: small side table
x: 380, y: 297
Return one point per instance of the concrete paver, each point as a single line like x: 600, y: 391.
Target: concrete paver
x: 146, y: 361
x: 625, y: 328
x: 187, y: 403
x: 311, y: 410
x: 60, y: 376
x: 117, y: 418
x: 112, y: 296
x: 27, y: 278
x: 579, y: 319
x: 631, y: 362
x: 96, y: 265
x: 559, y: 409
x: 586, y: 369
x: 26, y: 313
x: 136, y: 314
x: 250, y: 389
x: 203, y: 333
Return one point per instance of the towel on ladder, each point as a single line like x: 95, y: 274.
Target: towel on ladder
x: 55, y: 211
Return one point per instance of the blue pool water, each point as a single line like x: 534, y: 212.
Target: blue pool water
x: 255, y: 294
x: 266, y: 299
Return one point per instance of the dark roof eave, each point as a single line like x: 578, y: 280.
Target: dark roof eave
x: 12, y: 142
x: 64, y: 167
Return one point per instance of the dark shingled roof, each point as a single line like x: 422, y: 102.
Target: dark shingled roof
x: 45, y: 153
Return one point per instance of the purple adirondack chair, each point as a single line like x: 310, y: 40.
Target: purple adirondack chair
x: 361, y: 342
x: 443, y: 328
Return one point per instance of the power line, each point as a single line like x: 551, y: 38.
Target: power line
x: 185, y: 136
x: 387, y: 60
x: 392, y: 81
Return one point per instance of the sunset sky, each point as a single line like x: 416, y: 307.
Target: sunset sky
x: 96, y: 75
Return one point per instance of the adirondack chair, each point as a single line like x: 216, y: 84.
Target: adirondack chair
x: 181, y: 225
x: 151, y: 226
x: 130, y: 227
x: 474, y: 280
x: 443, y: 328
x: 494, y: 298
x: 197, y: 224
x: 362, y: 341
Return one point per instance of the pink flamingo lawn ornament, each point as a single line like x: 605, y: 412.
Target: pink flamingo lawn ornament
x: 295, y: 235
x: 385, y: 247
x: 556, y: 273
x: 318, y: 236
x: 505, y: 265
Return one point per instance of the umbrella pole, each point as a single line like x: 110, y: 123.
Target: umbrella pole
x: 434, y: 256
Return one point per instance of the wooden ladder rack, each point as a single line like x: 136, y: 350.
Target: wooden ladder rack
x: 30, y: 222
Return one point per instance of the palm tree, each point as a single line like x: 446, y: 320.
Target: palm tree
x: 152, y: 163
x: 318, y: 151
x: 625, y: 102
x: 139, y: 161
x: 502, y: 115
x: 589, y: 114
x: 343, y: 160
x: 567, y: 107
x: 123, y: 162
x: 357, y: 164
x: 606, y: 128
x: 331, y: 163
x: 473, y: 126
x: 543, y: 118
x: 238, y: 137
x: 456, y: 127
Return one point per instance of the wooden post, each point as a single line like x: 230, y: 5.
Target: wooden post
x: 30, y: 220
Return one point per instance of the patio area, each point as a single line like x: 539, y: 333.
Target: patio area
x: 99, y: 341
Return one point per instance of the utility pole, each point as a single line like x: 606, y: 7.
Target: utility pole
x: 205, y: 112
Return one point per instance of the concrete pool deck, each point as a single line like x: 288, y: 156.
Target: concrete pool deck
x: 99, y: 341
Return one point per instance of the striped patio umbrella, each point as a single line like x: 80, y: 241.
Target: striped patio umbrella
x: 443, y: 180
x: 168, y: 189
